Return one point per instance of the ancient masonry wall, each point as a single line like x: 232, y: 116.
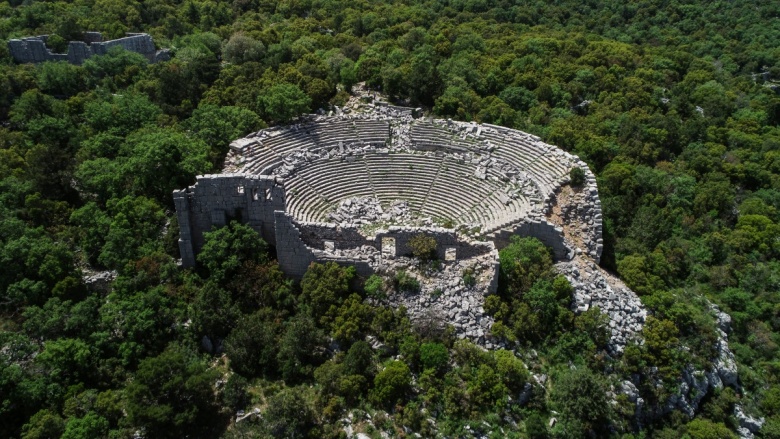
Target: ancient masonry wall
x: 215, y: 200
x: 299, y: 244
x: 549, y: 234
x: 293, y: 255
x: 34, y: 50
x: 320, y: 235
x: 446, y: 240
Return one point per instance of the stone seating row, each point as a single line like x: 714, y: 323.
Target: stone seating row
x: 486, y: 211
x: 439, y: 188
x: 259, y: 157
x: 545, y: 170
x: 329, y: 134
x: 457, y: 190
x: 335, y: 180
x: 402, y: 176
x: 302, y: 200
x: 288, y: 142
x: 429, y: 135
x: 373, y: 132
x: 516, y: 211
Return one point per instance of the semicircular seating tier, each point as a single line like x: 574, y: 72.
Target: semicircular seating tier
x: 484, y: 177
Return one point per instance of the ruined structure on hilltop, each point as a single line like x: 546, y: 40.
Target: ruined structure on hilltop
x: 34, y: 50
x: 356, y: 185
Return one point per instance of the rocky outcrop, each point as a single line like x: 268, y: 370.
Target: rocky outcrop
x: 748, y: 425
x: 99, y: 280
x: 595, y: 287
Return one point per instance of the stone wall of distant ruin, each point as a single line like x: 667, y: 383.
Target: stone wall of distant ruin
x: 34, y: 50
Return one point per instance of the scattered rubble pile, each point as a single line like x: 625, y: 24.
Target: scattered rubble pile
x: 444, y: 297
x: 369, y: 210
x: 98, y: 280
x: 594, y: 287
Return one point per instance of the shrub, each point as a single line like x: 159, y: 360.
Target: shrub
x: 288, y: 414
x: 235, y: 394
x: 511, y: 370
x: 392, y: 383
x: 57, y: 44
x: 242, y: 48
x: 434, y: 356
x: 535, y: 427
x: 577, y: 176
x: 375, y: 287
x: 404, y: 282
x: 423, y: 247
x: 581, y: 398
x: 359, y: 360
x: 468, y: 277
x: 706, y: 429
x: 523, y: 262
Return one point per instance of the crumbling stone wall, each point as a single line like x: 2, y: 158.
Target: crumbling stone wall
x: 445, y: 239
x: 215, y: 200
x: 34, y: 50
x: 315, y: 235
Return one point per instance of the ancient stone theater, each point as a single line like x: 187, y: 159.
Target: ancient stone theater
x: 355, y: 185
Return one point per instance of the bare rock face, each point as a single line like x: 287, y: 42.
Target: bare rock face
x: 748, y: 425
x: 100, y: 281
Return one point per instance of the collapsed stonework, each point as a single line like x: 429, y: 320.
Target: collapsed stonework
x: 353, y: 186
x: 34, y: 50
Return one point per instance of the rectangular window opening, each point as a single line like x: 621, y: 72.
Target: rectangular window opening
x: 450, y: 254
x: 388, y: 248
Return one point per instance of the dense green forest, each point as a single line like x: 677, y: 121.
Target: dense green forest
x: 673, y: 104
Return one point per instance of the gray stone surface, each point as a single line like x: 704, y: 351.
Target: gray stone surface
x: 594, y: 287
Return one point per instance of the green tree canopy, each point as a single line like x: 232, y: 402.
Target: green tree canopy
x: 282, y: 102
x: 172, y: 396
